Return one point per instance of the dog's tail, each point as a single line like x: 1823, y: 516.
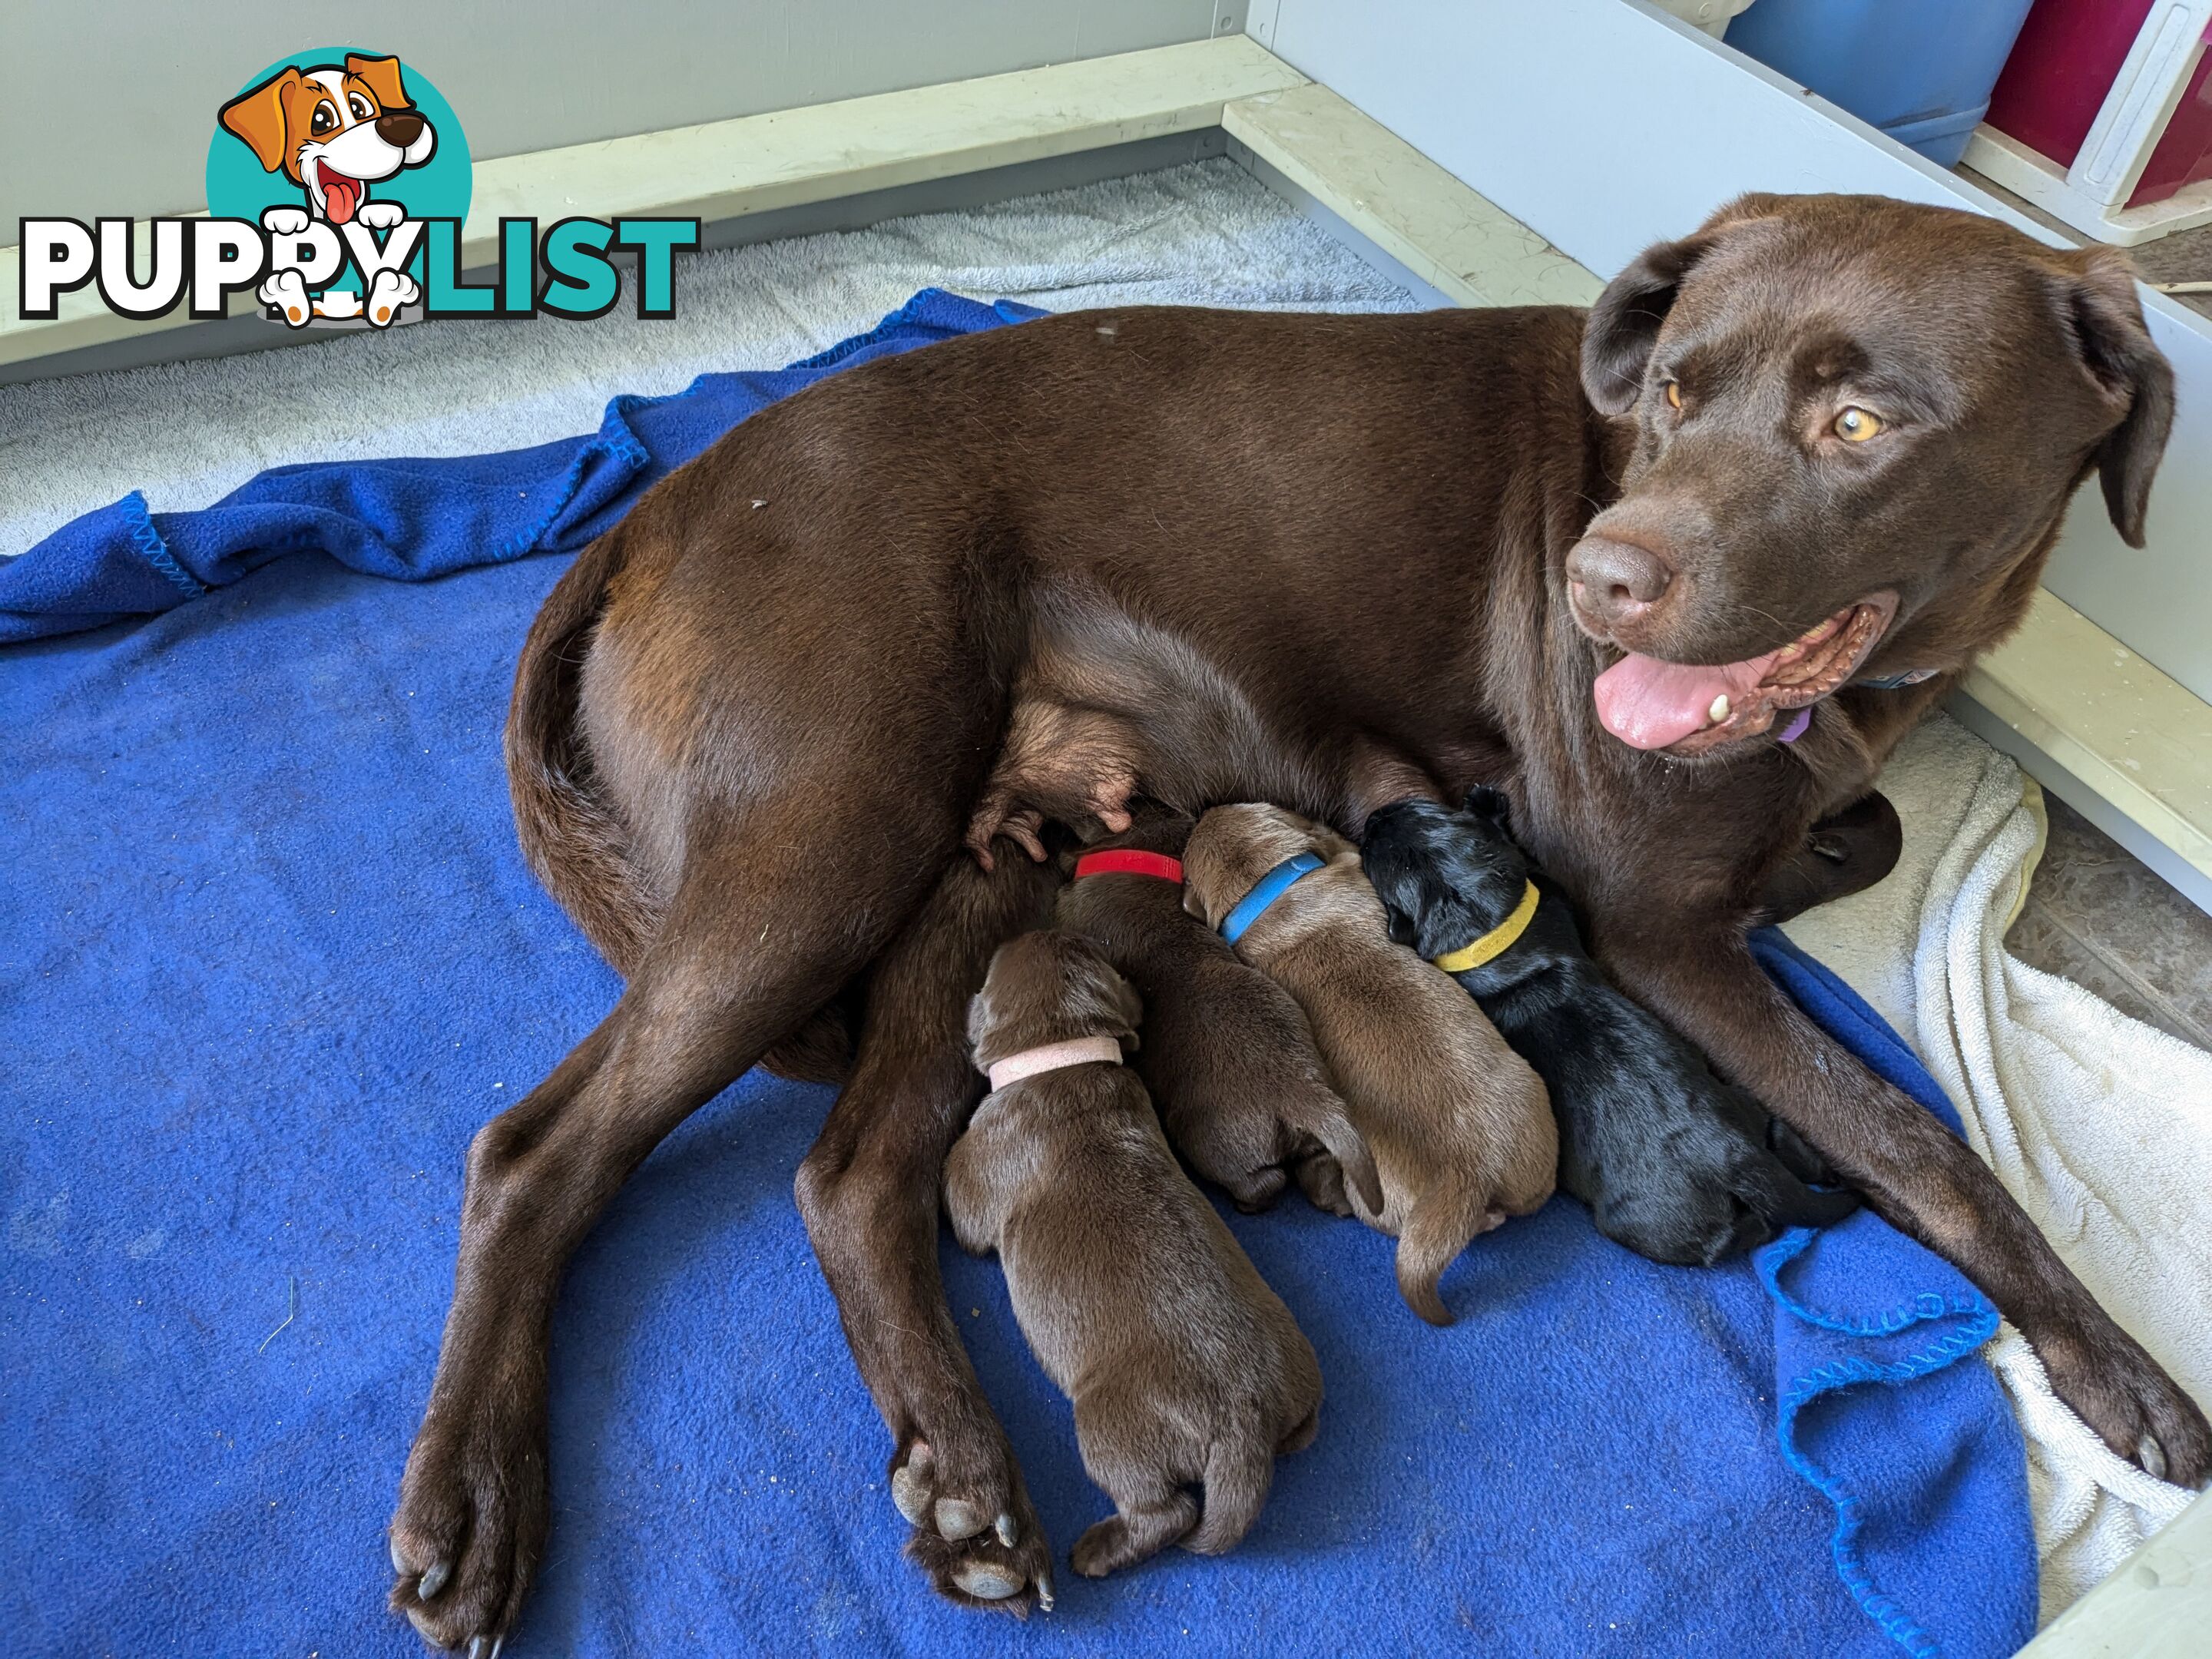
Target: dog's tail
x: 572, y: 838
x: 1777, y: 1196
x: 1240, y: 1467
x: 1441, y: 1225
x: 1321, y: 1112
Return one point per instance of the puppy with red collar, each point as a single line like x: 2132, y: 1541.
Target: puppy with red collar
x: 335, y: 129
x: 1183, y: 1367
x: 1228, y: 1056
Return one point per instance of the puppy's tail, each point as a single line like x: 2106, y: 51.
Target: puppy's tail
x: 1322, y: 1114
x: 1239, y: 1469
x: 1778, y: 1197
x: 570, y: 836
x: 1439, y: 1228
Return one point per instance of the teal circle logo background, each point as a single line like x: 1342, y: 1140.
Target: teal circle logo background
x: 238, y: 188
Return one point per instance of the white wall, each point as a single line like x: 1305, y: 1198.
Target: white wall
x: 109, y: 108
x: 1605, y: 126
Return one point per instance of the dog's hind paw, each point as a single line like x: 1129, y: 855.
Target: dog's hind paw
x: 983, y: 1550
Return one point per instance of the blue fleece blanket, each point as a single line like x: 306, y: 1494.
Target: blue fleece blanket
x: 268, y: 956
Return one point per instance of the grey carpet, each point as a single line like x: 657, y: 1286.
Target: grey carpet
x: 186, y: 434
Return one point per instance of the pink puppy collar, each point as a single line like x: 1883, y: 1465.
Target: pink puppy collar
x: 1052, y: 1056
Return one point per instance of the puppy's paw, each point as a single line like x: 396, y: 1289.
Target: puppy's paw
x: 997, y: 816
x: 388, y: 291
x: 975, y: 1532
x: 284, y: 221
x: 286, y: 294
x: 379, y: 215
x: 1321, y: 1178
x: 1122, y: 1541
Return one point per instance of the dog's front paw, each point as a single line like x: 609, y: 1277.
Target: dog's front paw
x: 284, y: 221
x: 2126, y: 1396
x: 975, y: 1532
x: 285, y: 292
x: 470, y: 1526
x: 379, y: 215
x: 388, y: 291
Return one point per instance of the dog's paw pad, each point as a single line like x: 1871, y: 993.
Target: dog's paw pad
x: 958, y: 1519
x: 987, y: 1581
x: 913, y: 1488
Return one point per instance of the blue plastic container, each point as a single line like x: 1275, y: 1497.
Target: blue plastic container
x: 1919, y: 69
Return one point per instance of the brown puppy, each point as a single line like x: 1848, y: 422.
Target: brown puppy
x: 1460, y: 1125
x: 1182, y: 1366
x: 1228, y: 1055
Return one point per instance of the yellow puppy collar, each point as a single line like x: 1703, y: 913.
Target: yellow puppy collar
x: 1495, y: 943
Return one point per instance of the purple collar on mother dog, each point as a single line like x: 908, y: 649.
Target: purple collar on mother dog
x: 1803, y: 717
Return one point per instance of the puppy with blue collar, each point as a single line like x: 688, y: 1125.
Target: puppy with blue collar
x: 1459, y: 1124
x: 1674, y: 1162
x: 1183, y: 1367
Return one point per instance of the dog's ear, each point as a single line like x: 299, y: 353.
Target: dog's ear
x: 1399, y: 926
x: 256, y: 116
x: 2103, y: 321
x: 1624, y: 324
x: 382, y: 75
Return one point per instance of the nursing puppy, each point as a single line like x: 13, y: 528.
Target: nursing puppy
x: 1674, y: 1162
x: 1227, y: 1055
x: 1458, y: 1123
x: 1183, y: 1367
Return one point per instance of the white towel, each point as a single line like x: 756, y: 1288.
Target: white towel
x: 2100, y: 1125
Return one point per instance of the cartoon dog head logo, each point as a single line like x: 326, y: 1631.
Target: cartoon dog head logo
x: 334, y: 129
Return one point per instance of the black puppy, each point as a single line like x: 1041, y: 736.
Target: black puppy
x: 1675, y: 1163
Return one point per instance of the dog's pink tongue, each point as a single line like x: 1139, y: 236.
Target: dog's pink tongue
x: 341, y: 196
x: 1649, y: 704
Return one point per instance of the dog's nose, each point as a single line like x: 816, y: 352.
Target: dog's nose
x: 1615, y: 582
x: 399, y: 128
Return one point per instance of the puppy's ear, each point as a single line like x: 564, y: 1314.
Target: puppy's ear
x: 1400, y: 926
x: 979, y: 1017
x: 256, y: 116
x: 1131, y: 1007
x: 2103, y: 321
x: 382, y: 77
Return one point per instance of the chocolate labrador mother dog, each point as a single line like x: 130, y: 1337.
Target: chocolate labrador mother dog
x: 1815, y: 452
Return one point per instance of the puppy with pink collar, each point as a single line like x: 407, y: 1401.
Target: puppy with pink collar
x: 1183, y: 1367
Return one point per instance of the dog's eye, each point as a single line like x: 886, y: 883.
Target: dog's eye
x: 1674, y: 394
x: 1856, y: 425
x: 359, y: 105
x: 322, y: 119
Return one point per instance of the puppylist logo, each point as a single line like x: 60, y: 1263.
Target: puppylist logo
x: 338, y: 184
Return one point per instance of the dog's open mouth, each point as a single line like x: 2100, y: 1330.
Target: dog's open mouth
x: 1688, y: 709
x: 341, y: 195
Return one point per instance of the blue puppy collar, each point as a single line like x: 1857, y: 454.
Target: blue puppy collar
x: 1270, y: 887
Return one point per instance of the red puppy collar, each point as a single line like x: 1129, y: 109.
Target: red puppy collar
x: 1129, y: 861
